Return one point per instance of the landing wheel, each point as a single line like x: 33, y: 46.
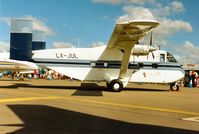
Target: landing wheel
x: 174, y: 87
x: 115, y: 85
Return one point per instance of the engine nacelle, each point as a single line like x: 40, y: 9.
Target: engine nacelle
x: 142, y: 49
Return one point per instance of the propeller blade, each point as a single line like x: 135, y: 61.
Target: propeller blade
x: 153, y: 55
x: 151, y: 38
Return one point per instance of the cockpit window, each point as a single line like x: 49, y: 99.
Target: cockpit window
x: 170, y: 58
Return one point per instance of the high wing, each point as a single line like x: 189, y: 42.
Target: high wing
x: 125, y: 36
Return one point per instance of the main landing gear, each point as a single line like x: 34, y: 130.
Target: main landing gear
x: 174, y: 86
x: 115, y: 85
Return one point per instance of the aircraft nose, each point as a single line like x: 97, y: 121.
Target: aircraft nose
x: 33, y: 66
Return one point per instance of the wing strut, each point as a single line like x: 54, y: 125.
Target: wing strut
x: 125, y: 61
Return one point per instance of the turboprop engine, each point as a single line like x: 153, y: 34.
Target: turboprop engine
x: 142, y: 50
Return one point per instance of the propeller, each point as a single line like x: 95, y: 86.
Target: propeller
x: 151, y: 49
x: 151, y: 39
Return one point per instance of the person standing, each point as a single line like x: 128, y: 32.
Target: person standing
x: 196, y: 79
x: 35, y: 74
x: 190, y: 79
x: 193, y: 78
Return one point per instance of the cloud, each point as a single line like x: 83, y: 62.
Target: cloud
x: 169, y: 27
x: 107, y: 1
x: 161, y: 11
x: 6, y: 20
x: 97, y: 44
x: 136, y: 13
x: 38, y: 24
x: 140, y: 2
x: 189, y: 48
x: 4, y: 46
x: 188, y: 53
x: 115, y: 2
x: 174, y: 7
x: 177, y: 6
x: 63, y: 45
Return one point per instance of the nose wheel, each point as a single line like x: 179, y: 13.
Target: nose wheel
x: 174, y: 86
x: 115, y: 85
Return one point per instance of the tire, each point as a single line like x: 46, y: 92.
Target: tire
x: 174, y: 87
x: 116, y: 85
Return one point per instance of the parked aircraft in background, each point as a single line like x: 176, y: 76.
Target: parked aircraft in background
x: 7, y: 64
x: 15, y: 65
x: 115, y: 63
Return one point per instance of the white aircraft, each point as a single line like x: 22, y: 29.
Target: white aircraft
x: 16, y: 65
x: 7, y: 64
x: 113, y: 63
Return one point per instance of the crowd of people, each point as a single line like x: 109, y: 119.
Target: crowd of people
x: 36, y: 74
x: 46, y: 74
x: 191, y: 79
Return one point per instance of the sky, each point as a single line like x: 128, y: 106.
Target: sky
x: 88, y: 23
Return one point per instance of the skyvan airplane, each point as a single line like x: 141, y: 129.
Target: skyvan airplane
x: 7, y: 64
x: 114, y: 63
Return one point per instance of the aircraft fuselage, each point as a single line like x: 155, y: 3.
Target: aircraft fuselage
x: 93, y: 64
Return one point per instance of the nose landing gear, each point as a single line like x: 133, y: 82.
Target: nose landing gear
x: 174, y: 86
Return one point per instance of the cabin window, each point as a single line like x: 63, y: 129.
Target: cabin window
x: 162, y: 57
x: 93, y: 64
x: 105, y: 64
